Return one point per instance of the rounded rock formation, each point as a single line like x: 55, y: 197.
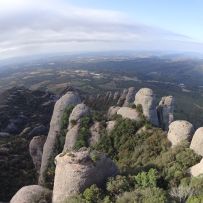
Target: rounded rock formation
x: 112, y: 111
x: 197, y: 141
x: 197, y: 169
x: 129, y: 97
x: 129, y: 113
x: 77, y: 171
x: 146, y: 98
x: 165, y: 112
x: 79, y: 111
x: 95, y: 133
x: 49, y: 150
x: 110, y: 126
x: 36, y: 150
x: 32, y: 194
x: 180, y: 131
x: 122, y: 97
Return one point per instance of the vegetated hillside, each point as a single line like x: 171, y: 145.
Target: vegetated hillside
x: 24, y: 114
x: 115, y: 156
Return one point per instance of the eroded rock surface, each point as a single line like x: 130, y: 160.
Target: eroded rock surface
x: 129, y: 113
x: 180, y: 131
x: 95, y: 133
x: 112, y: 111
x: 122, y: 97
x: 197, y: 141
x: 147, y: 99
x: 79, y: 111
x: 76, y: 171
x: 32, y: 194
x: 110, y: 126
x: 197, y: 169
x: 165, y: 112
x: 50, y: 151
x: 129, y: 97
x: 36, y: 150
x: 71, y: 138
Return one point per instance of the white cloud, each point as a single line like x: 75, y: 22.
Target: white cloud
x: 33, y: 26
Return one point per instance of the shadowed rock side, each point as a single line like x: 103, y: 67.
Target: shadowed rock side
x: 130, y: 97
x: 50, y: 148
x: 32, y: 194
x: 112, y: 111
x: 75, y: 171
x: 36, y: 150
x: 180, y: 131
x: 122, y: 97
x: 197, y: 141
x: 165, y: 112
x: 147, y: 99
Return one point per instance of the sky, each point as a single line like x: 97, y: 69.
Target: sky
x: 30, y: 27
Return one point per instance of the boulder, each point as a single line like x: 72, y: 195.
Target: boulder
x: 180, y: 131
x: 112, y: 111
x: 95, y: 133
x: 32, y: 194
x: 129, y: 97
x: 110, y: 126
x: 77, y: 171
x: 71, y: 138
x: 129, y: 113
x: 122, y: 97
x: 197, y: 141
x: 165, y: 112
x: 79, y: 111
x: 146, y: 98
x: 50, y: 146
x: 36, y: 150
x: 197, y: 169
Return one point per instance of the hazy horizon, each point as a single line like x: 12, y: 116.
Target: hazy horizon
x: 32, y: 27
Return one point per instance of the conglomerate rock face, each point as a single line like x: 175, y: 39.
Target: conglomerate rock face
x: 112, y: 111
x: 197, y: 169
x: 32, y: 194
x: 129, y: 113
x: 49, y: 150
x: 79, y: 111
x: 179, y: 131
x: 95, y: 133
x: 36, y: 150
x: 197, y: 141
x: 129, y: 97
x: 147, y: 99
x: 165, y: 112
x: 122, y: 98
x: 75, y: 171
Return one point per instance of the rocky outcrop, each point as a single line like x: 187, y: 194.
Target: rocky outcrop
x: 147, y: 99
x: 112, y: 111
x: 36, y: 150
x: 95, y: 133
x: 116, y: 96
x: 130, y: 97
x: 71, y: 138
x: 78, y: 170
x: 165, y: 112
x: 180, y: 131
x: 32, y: 194
x: 38, y: 130
x: 197, y: 141
x: 110, y: 126
x: 79, y: 111
x: 129, y: 113
x: 122, y: 97
x: 50, y: 150
x: 197, y: 169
